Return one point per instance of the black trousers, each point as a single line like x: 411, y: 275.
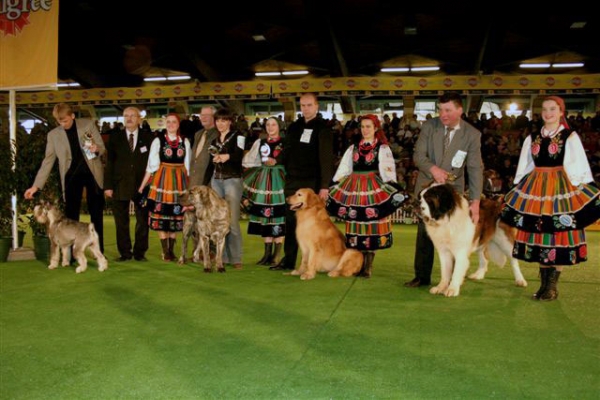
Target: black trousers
x: 121, y: 214
x: 423, y: 254
x: 290, y: 246
x: 74, y: 185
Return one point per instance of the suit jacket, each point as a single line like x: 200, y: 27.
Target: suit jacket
x: 125, y: 170
x: 57, y: 146
x: 429, y: 151
x: 201, y: 163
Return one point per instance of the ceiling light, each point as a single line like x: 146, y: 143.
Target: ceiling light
x: 578, y: 25
x: 272, y: 73
x: 303, y: 72
x: 410, y: 30
x: 420, y: 69
x: 68, y: 84
x: 155, y: 79
x: 536, y: 65
x: 568, y: 65
x: 395, y: 69
x: 178, y: 78
x: 259, y: 38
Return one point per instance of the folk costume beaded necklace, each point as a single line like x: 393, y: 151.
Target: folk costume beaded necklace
x: 548, y: 133
x: 365, y: 148
x: 173, y: 143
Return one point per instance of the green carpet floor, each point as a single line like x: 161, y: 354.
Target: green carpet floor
x: 157, y: 330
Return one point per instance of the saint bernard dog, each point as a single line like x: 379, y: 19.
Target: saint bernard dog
x: 455, y: 236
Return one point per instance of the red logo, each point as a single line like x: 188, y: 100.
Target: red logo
x: 120, y: 92
x: 472, y: 82
x: 197, y: 89
x: 260, y: 87
x: 523, y: 81
x: 576, y: 81
x: 550, y: 81
x: 238, y: 87
x: 14, y: 15
x: 177, y: 90
x: 102, y: 93
x: 374, y: 83
x: 497, y: 81
x: 157, y: 91
x: 448, y: 82
x: 68, y: 95
x: 18, y: 97
x: 138, y: 92
x: 351, y: 83
x: 328, y: 84
x: 85, y: 94
x: 217, y: 88
x: 423, y: 82
x: 283, y: 86
x: 398, y: 83
x: 34, y: 97
x: 50, y: 97
x: 305, y: 85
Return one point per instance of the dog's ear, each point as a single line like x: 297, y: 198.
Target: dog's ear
x: 442, y: 200
x: 312, y: 199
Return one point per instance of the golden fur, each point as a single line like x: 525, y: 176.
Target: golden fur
x: 455, y: 236
x: 64, y: 233
x: 322, y: 244
x: 210, y: 221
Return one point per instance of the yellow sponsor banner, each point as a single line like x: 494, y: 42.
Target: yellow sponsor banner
x: 28, y: 44
x: 493, y: 84
x: 381, y: 86
x: 149, y: 94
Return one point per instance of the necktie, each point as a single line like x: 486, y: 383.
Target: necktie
x: 447, y: 138
x: 131, y: 142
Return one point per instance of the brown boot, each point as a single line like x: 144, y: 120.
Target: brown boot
x: 276, y: 252
x: 165, y: 249
x: 367, y: 268
x: 551, y: 292
x: 544, y: 273
x: 171, y: 245
x: 267, y: 256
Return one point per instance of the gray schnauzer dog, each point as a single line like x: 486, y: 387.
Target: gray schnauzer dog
x: 210, y: 220
x: 64, y: 233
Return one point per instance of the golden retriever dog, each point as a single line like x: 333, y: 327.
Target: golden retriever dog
x: 455, y: 236
x: 322, y: 244
x: 210, y: 221
x: 64, y: 233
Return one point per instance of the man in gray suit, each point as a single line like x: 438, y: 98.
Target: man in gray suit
x: 78, y: 147
x: 447, y: 146
x: 199, y: 173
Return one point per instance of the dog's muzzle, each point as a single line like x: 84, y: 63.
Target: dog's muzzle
x: 296, y: 206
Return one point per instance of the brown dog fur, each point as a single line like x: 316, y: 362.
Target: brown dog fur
x: 322, y: 244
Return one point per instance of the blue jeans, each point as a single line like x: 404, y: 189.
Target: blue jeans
x: 231, y: 190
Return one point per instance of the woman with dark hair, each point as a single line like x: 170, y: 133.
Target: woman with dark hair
x: 227, y: 151
x: 167, y: 174
x: 365, y: 192
x: 553, y: 200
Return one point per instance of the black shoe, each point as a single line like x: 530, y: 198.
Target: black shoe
x: 123, y: 258
x: 140, y: 258
x: 280, y: 267
x: 416, y: 282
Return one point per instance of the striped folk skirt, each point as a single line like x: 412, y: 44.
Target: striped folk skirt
x: 168, y: 184
x: 550, y: 214
x: 265, y: 200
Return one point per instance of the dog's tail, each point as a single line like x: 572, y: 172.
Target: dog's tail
x: 496, y: 254
x: 92, y: 231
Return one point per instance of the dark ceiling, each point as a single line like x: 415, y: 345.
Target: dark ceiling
x: 110, y: 43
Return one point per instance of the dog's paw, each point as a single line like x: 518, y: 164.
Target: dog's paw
x: 52, y: 266
x: 80, y: 269
x: 521, y: 283
x: 208, y: 270
x: 181, y: 260
x: 477, y: 276
x: 333, y: 274
x: 65, y: 264
x: 295, y: 272
x: 221, y: 269
x: 102, y: 268
x: 439, y: 289
x: 306, y: 276
x: 452, y: 291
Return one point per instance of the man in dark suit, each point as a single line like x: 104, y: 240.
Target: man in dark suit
x: 128, y: 152
x: 447, y: 146
x: 308, y: 161
x: 78, y: 146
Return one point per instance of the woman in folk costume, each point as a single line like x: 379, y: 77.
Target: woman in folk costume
x: 263, y: 192
x: 553, y: 200
x: 365, y: 192
x: 167, y: 173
